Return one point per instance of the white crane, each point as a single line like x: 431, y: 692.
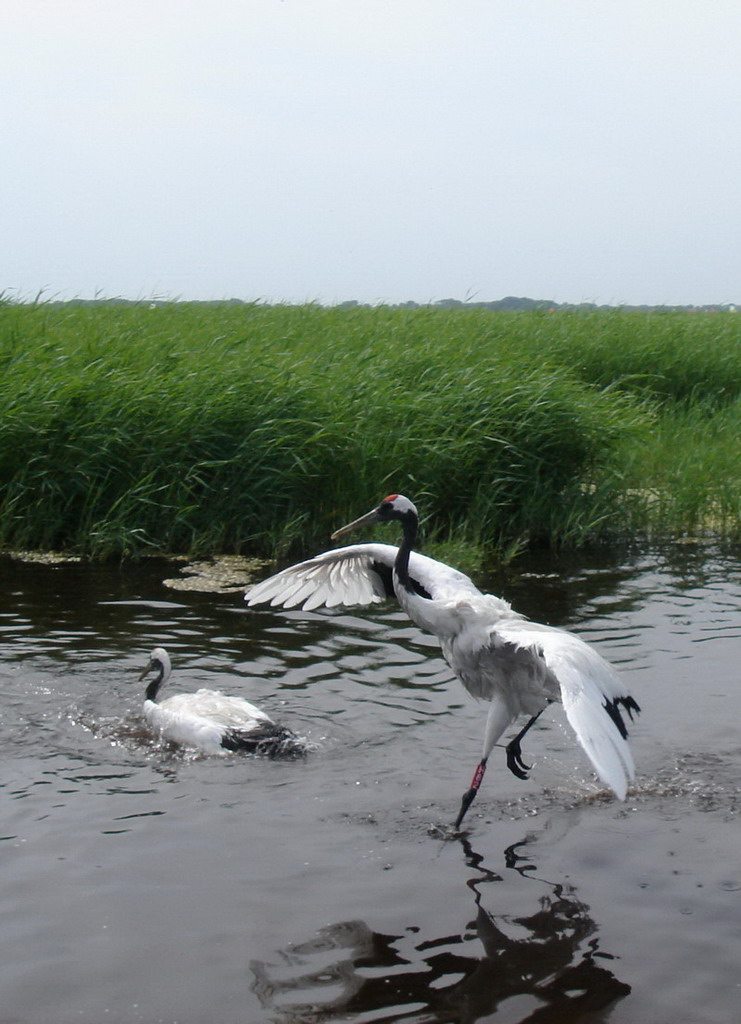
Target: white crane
x: 210, y: 721
x: 519, y: 666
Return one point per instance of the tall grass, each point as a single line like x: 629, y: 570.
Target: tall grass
x: 219, y: 427
x: 687, y: 475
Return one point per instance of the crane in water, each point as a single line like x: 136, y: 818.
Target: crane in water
x: 210, y: 721
x: 518, y: 666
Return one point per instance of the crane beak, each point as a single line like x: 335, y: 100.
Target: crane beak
x: 366, y: 520
x: 147, y: 670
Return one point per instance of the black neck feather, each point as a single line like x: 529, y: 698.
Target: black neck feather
x: 409, y: 526
x: 152, y: 690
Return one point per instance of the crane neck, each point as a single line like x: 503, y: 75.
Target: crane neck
x: 410, y: 527
x: 153, y: 688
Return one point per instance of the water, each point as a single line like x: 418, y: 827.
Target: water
x: 141, y: 884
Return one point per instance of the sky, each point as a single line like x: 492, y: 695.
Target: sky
x: 380, y: 151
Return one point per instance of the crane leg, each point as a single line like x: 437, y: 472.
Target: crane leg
x: 514, y: 762
x: 514, y: 751
x: 497, y: 720
x: 469, y: 795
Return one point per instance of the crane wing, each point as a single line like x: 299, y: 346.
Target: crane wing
x: 592, y: 694
x: 357, y: 574
x: 229, y: 712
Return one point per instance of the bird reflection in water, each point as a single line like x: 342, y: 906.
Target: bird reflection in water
x: 544, y: 966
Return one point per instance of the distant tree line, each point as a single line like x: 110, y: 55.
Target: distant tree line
x: 515, y: 303
x: 511, y: 303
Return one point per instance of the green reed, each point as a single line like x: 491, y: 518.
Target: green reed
x: 204, y: 427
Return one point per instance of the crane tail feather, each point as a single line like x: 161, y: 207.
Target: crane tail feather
x: 270, y: 740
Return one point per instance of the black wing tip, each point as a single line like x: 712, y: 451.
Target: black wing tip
x: 630, y: 706
x: 269, y: 740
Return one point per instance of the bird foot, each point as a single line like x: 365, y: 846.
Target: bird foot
x: 514, y: 760
x: 445, y: 832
